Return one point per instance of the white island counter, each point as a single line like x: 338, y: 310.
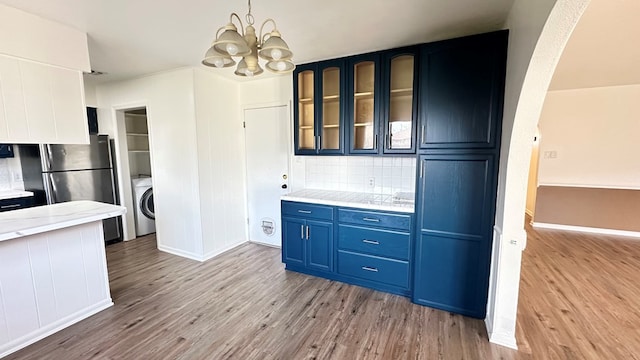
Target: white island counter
x: 53, y: 269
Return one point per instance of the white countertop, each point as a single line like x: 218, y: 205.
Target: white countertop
x: 35, y: 220
x: 12, y: 194
x: 401, y: 202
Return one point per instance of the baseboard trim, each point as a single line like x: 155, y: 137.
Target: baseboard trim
x: 265, y: 244
x: 181, y: 253
x: 50, y: 329
x: 212, y: 254
x: 501, y: 339
x: 633, y: 234
x: 197, y: 257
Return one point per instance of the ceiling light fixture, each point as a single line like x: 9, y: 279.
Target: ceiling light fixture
x: 230, y: 43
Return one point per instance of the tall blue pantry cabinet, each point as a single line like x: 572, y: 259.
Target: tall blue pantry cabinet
x: 461, y: 90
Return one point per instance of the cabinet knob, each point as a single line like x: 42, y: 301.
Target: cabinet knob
x: 284, y: 186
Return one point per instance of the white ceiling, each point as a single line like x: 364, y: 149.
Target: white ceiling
x: 604, y: 49
x: 129, y: 38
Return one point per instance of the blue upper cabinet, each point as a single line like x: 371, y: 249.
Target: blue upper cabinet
x: 399, y: 100
x: 319, y: 108
x: 363, y: 108
x: 461, y: 91
x: 6, y: 151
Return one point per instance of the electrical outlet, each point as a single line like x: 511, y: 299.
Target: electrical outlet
x: 372, y: 182
x: 550, y: 154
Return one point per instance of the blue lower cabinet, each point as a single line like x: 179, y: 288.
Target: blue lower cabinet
x: 293, y: 241
x: 319, y: 241
x: 374, y: 268
x: 6, y: 151
x: 448, y: 275
x: 355, y: 246
x: 16, y: 203
x: 380, y: 242
x: 307, y: 243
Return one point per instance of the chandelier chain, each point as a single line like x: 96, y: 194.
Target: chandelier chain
x: 249, y: 18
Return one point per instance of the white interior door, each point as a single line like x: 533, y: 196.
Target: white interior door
x: 267, y: 139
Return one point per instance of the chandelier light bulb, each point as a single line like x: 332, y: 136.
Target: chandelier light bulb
x: 276, y: 54
x: 249, y: 73
x: 218, y: 62
x: 232, y: 49
x: 281, y: 65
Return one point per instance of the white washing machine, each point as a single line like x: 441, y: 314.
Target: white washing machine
x: 143, y: 202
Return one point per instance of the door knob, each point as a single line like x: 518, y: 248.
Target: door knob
x: 284, y: 186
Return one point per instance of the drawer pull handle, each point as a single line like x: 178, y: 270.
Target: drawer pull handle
x: 371, y: 219
x: 304, y: 211
x: 372, y: 242
x: 368, y: 268
x: 10, y: 206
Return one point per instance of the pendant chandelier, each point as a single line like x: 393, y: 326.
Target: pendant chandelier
x: 249, y: 48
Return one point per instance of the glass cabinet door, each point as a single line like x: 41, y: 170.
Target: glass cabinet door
x: 306, y: 111
x: 363, y: 132
x: 400, y: 109
x: 331, y: 124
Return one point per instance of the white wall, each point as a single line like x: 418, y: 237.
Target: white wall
x: 221, y: 159
x: 90, y: 97
x: 594, y: 134
x: 539, y: 31
x: 169, y: 99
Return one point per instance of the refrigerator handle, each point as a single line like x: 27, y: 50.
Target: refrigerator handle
x: 46, y: 156
x: 49, y: 188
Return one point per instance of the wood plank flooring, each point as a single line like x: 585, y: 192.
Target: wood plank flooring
x: 579, y: 296
x: 579, y: 299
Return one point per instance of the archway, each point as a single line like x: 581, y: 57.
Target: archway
x: 539, y: 31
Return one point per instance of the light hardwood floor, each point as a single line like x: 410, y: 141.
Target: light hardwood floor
x: 579, y: 300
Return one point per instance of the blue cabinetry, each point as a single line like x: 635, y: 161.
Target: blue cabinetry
x: 372, y: 248
x: 319, y: 108
x: 461, y: 92
x: 6, y: 151
x: 375, y: 96
x: 16, y: 203
x: 400, y: 100
x: 363, y: 103
x: 453, y: 245
x: 307, y: 243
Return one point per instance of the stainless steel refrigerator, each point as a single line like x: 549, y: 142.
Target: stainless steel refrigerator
x: 79, y: 172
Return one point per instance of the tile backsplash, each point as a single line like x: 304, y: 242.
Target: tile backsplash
x: 380, y: 175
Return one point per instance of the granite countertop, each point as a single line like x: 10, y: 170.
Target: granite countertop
x: 12, y: 194
x: 23, y: 222
x: 400, y: 202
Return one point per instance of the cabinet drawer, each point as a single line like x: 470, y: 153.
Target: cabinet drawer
x: 380, y: 242
x: 308, y: 211
x: 14, y: 204
x: 381, y: 270
x: 375, y: 218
